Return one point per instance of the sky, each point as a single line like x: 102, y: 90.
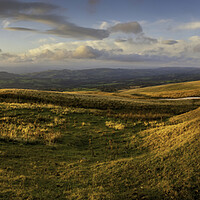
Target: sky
x: 38, y: 35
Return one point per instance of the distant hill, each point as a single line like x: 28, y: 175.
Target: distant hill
x: 104, y: 78
x: 69, y: 145
x: 6, y: 75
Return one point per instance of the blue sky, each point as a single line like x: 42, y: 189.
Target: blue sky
x: 49, y: 34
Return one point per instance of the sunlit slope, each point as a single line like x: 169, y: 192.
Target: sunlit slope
x: 181, y: 129
x: 169, y: 170
x: 183, y: 89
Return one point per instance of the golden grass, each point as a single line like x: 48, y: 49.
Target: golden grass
x: 176, y: 90
x: 91, y: 161
x: 181, y: 129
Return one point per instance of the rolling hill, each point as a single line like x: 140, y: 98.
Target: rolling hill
x: 102, y: 79
x: 64, y: 145
x: 187, y: 89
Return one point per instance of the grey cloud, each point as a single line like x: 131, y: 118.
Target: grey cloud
x: 92, y: 5
x: 7, y: 56
x: 13, y: 7
x: 129, y: 27
x: 169, y: 42
x: 71, y: 30
x: 20, y: 29
x: 196, y: 49
x: 121, y: 40
x: 140, y: 39
x: 39, y: 12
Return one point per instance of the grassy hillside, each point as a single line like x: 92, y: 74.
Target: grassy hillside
x: 176, y: 90
x: 91, y: 146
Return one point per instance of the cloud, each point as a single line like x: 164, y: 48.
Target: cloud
x: 104, y: 25
x: 15, y: 7
x: 66, y: 53
x: 194, y: 39
x: 9, y: 57
x: 5, y: 23
x: 189, y: 26
x: 55, y: 53
x: 45, y: 13
x: 92, y: 5
x: 163, y: 21
x: 73, y: 31
x: 121, y: 40
x: 196, y: 49
x: 86, y: 52
x: 141, y: 39
x: 169, y: 42
x: 20, y: 29
x: 129, y: 27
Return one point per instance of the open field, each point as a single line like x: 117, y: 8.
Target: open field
x: 93, y: 145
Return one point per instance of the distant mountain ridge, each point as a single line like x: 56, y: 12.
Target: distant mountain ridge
x: 110, y: 72
x: 99, y: 77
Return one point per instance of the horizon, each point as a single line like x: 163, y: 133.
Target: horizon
x: 24, y: 71
x: 40, y: 35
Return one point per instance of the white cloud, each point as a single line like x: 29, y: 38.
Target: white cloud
x: 5, y: 23
x: 86, y: 52
x: 104, y: 25
x: 138, y: 49
x: 194, y: 38
x: 163, y: 21
x: 189, y: 26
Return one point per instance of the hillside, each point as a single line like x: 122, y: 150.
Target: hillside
x: 59, y: 145
x: 187, y: 89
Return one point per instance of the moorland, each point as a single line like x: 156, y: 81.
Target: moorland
x: 127, y: 144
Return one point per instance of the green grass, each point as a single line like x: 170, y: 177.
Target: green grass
x: 53, y: 148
